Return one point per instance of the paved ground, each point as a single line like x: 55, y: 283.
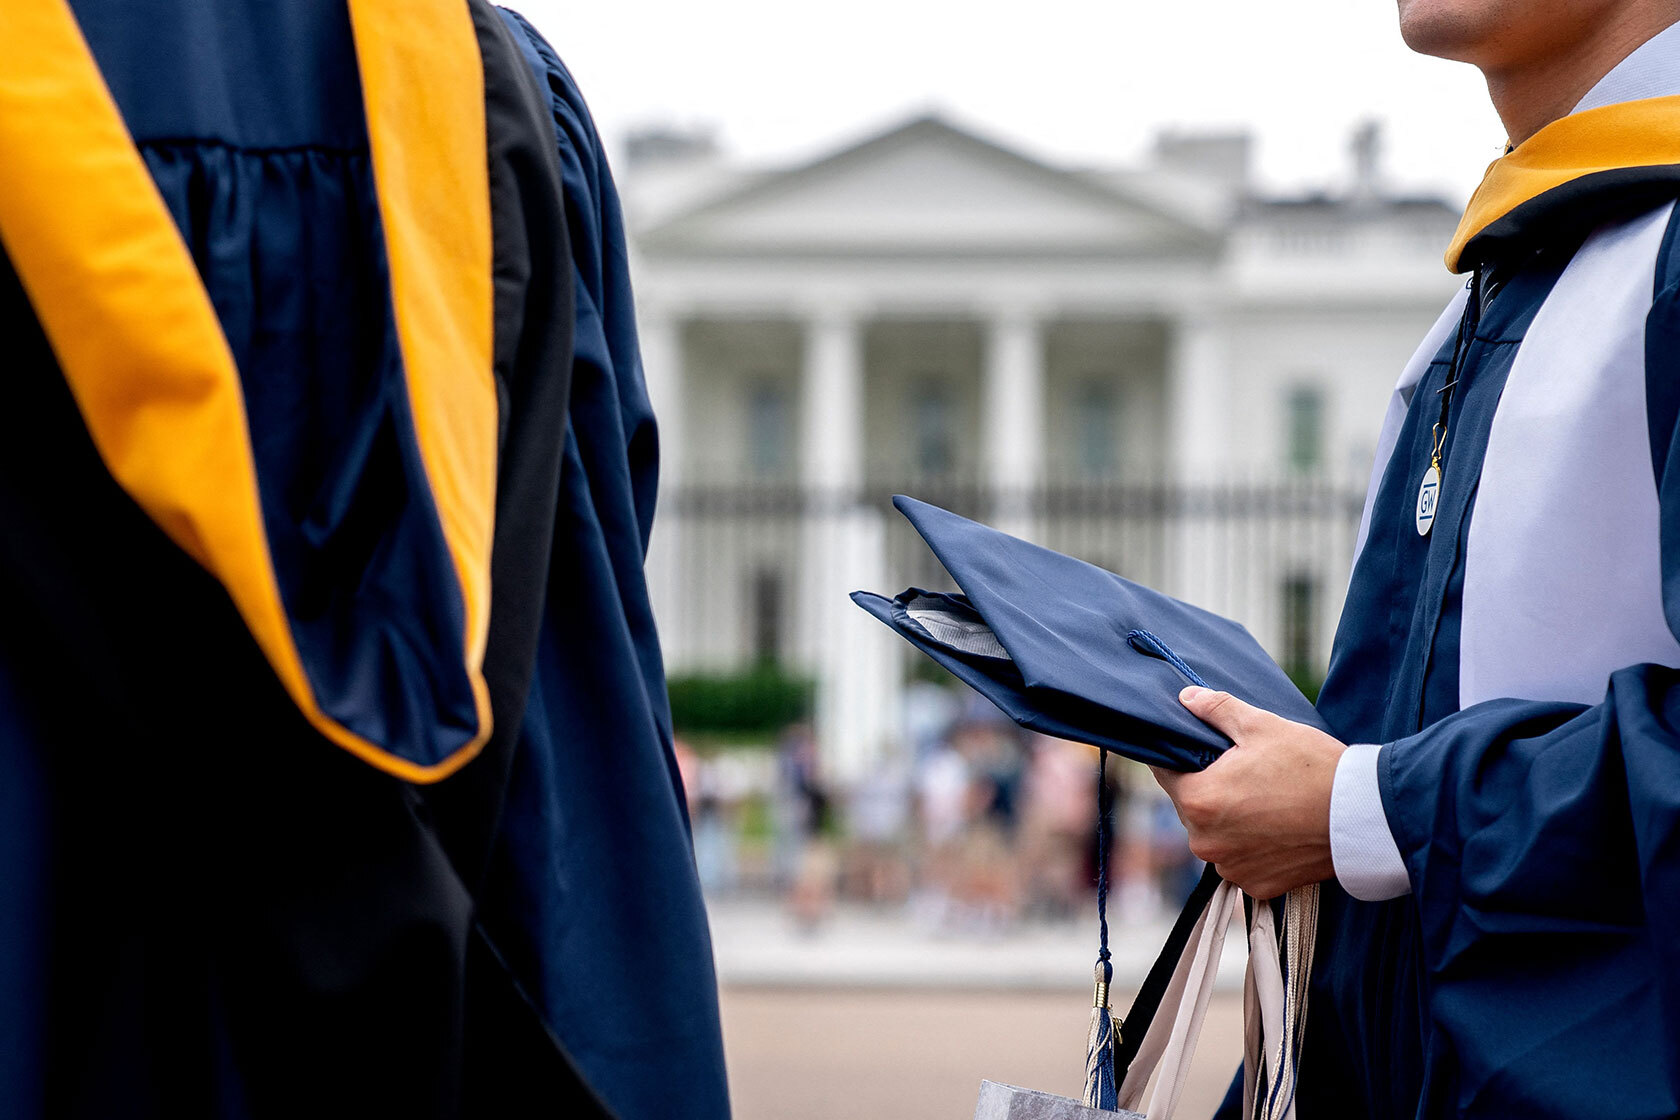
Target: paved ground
x: 917, y: 1054
x: 757, y: 945
x: 876, y: 1017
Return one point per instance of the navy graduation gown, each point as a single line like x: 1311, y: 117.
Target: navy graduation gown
x: 206, y: 907
x: 1531, y: 969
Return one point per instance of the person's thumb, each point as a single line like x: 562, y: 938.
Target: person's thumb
x: 1221, y: 711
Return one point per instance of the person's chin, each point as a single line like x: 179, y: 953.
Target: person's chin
x: 1452, y: 29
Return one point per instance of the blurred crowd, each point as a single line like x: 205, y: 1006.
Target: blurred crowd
x: 972, y: 825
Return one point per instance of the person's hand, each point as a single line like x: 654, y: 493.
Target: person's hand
x: 1261, y: 812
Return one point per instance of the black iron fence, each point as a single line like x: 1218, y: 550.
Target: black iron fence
x: 737, y: 562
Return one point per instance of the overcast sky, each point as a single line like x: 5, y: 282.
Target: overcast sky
x: 1072, y: 81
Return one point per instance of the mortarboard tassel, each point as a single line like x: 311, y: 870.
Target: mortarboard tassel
x: 1100, y: 1089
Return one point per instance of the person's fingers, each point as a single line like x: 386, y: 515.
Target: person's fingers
x: 1221, y: 711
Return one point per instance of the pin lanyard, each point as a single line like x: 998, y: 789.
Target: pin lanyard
x: 1429, y: 491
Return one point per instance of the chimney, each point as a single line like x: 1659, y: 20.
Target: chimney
x: 1366, y: 149
x: 668, y: 146
x: 1222, y: 157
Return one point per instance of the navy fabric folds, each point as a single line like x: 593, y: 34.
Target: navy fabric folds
x: 591, y: 895
x: 271, y: 184
x: 1069, y: 649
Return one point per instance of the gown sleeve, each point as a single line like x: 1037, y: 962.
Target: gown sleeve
x: 593, y: 888
x: 1542, y: 842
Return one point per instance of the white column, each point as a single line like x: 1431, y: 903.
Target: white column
x: 1198, y: 400
x: 1198, y: 459
x: 852, y: 655
x: 1012, y: 420
x: 832, y: 431
x: 859, y: 663
x: 663, y: 369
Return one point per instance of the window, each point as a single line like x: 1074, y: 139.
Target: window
x: 933, y: 427
x: 1095, y: 428
x: 767, y: 429
x: 766, y: 591
x: 1300, y: 625
x: 1305, y: 436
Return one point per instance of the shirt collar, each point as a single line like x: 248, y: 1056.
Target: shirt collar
x: 1651, y: 71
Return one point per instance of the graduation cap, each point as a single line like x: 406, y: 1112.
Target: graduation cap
x: 1069, y: 649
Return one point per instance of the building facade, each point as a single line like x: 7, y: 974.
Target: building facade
x: 1153, y: 368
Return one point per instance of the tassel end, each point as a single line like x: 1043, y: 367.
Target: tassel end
x: 1100, y: 1088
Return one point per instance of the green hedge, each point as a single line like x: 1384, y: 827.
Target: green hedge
x: 756, y: 703
x: 1308, y: 678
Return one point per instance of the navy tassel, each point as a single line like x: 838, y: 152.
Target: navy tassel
x: 1100, y: 1088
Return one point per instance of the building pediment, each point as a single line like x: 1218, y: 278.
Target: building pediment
x: 928, y: 188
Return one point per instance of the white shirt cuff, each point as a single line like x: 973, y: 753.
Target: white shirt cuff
x: 1368, y: 863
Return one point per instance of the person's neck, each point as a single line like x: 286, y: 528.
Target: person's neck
x: 1532, y: 94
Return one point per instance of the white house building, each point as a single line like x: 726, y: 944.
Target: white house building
x: 1152, y: 367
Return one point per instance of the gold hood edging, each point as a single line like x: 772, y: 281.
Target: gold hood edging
x: 1611, y: 144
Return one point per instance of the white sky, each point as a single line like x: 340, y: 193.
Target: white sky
x: 1072, y: 81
